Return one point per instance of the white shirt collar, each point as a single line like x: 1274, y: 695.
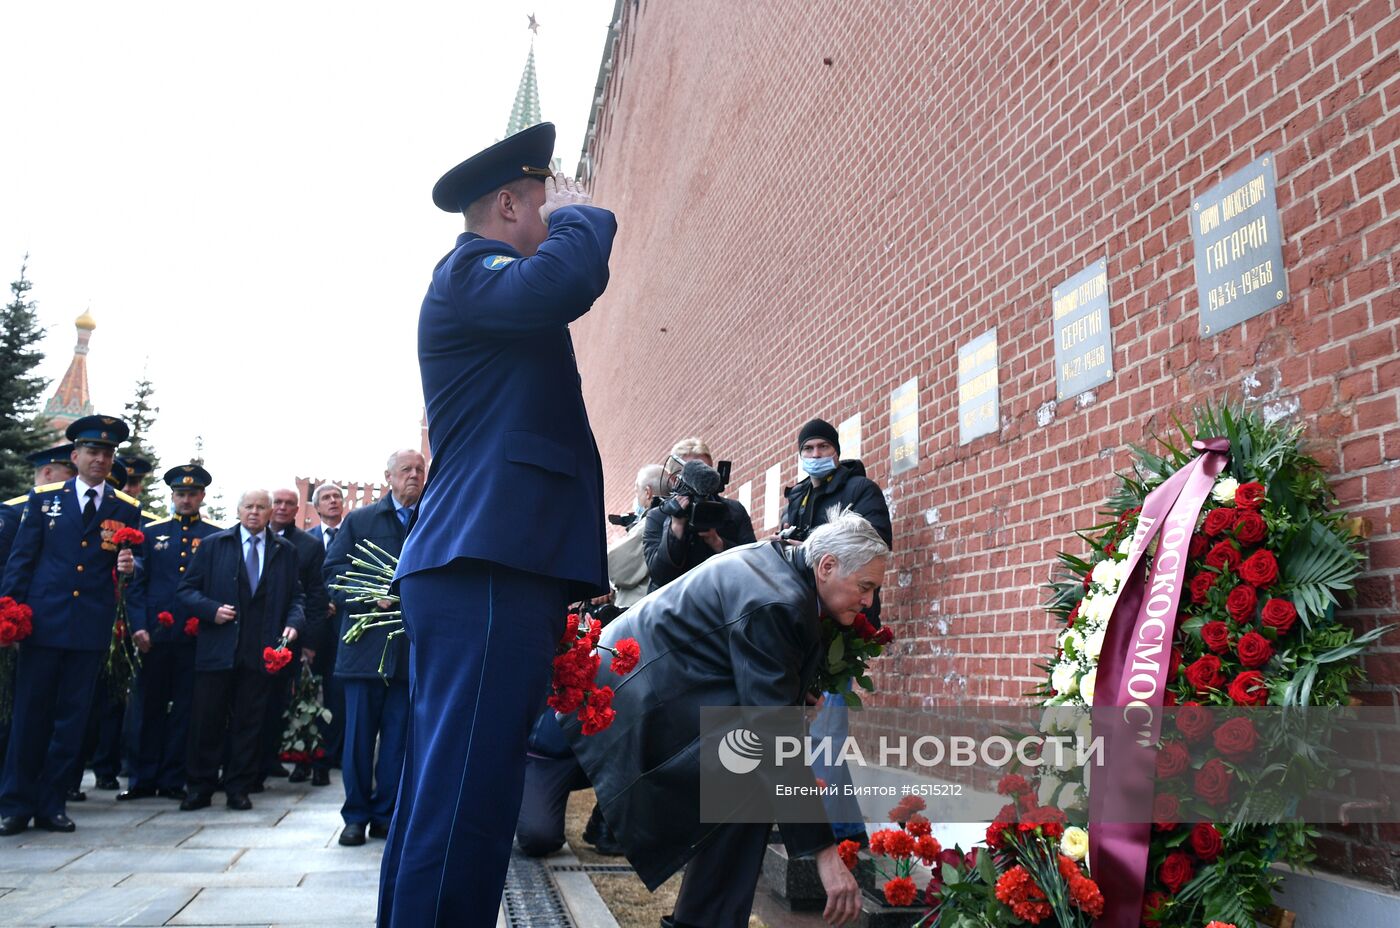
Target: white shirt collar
x: 245, y: 534
x: 83, y: 486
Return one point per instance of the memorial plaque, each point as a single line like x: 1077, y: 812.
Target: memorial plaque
x: 746, y: 498
x: 904, y: 427
x: 848, y: 434
x: 1083, y: 337
x: 978, y: 391
x: 773, y: 497
x: 1238, y: 236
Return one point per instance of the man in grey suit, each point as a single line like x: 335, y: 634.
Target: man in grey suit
x: 374, y: 669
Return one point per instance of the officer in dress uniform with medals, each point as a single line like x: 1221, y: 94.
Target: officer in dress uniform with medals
x: 166, y: 686
x: 61, y: 565
x: 509, y: 529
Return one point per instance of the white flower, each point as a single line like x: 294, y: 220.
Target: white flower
x: 1225, y: 488
x: 1064, y: 678
x: 1086, y: 686
x: 1071, y: 642
x: 1092, y: 643
x: 1074, y: 843
x: 1096, y: 609
x: 1084, y: 730
x: 1107, y: 575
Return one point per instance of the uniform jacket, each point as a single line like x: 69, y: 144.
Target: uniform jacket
x: 212, y: 580
x: 516, y: 477
x: 164, y: 558
x: 311, y: 559
x: 360, y: 661
x: 739, y: 630
x: 65, y: 573
x: 11, y: 511
x: 668, y: 558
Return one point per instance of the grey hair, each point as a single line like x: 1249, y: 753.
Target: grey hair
x: 257, y: 492
x: 849, y: 538
x: 316, y: 494
x: 394, y: 458
x: 649, y: 479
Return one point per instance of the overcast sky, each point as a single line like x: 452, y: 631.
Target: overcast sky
x: 240, y: 195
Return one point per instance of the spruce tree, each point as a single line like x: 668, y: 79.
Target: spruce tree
x: 140, y: 416
x: 21, y: 389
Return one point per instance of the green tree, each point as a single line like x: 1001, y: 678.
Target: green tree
x: 214, y: 509
x: 141, y: 416
x: 21, y: 389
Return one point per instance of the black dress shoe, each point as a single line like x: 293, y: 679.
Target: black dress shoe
x: 278, y: 771
x: 194, y: 801
x: 59, y: 822
x: 258, y: 787
x: 353, y: 835
x: 136, y: 792
x: 239, y: 803
x: 76, y: 795
x: 378, y: 831
x: 13, y: 824
x: 108, y: 783
x: 300, y: 774
x: 169, y: 792
x: 320, y: 777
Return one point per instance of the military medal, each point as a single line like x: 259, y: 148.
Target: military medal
x: 54, y: 508
x: 162, y: 542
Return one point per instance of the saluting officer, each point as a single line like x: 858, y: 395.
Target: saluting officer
x: 62, y: 566
x: 510, y: 527
x: 160, y: 630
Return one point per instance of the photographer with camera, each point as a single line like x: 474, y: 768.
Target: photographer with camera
x: 695, y: 522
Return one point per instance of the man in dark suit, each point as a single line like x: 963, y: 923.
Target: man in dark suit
x: 61, y: 565
x: 329, y: 502
x: 160, y: 631
x: 242, y: 586
x: 311, y: 556
x: 374, y: 669
x: 510, y: 528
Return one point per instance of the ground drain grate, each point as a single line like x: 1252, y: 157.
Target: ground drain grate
x: 531, y: 900
x: 592, y: 868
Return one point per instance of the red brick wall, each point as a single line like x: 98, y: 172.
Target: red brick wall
x: 818, y: 202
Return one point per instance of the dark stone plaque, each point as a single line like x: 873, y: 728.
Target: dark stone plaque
x: 1083, y: 337
x: 978, y: 388
x: 1238, y: 236
x: 904, y: 427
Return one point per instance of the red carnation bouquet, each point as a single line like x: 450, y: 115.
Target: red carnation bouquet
x: 16, y: 624
x: 274, y: 659
x: 192, y: 627
x: 574, y: 687
x: 123, y: 658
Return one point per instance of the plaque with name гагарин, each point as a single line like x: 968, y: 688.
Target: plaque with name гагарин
x: 904, y: 426
x: 1083, y: 336
x: 978, y: 388
x: 1238, y: 237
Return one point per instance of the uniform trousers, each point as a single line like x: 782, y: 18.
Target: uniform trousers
x: 165, y: 696
x: 228, y: 704
x: 53, y: 695
x: 481, y: 644
x: 375, y: 710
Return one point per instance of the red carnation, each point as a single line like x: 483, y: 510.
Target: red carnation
x: 1254, y: 649
x: 1250, y: 527
x: 901, y: 891
x: 627, y: 654
x: 1224, y: 555
x: 1050, y: 821
x: 1193, y: 721
x: 1172, y: 760
x: 1205, y: 841
x: 1260, y: 569
x: 274, y: 659
x: 570, y: 630
x: 1217, y: 521
x: 1016, y: 889
x: 1248, y: 689
x: 165, y: 618
x: 1175, y: 871
x: 1012, y: 784
x: 1216, y: 635
x: 918, y: 826
x: 1166, y: 810
x: 1085, y: 893
x: 1213, y: 782
x: 126, y: 537
x: 927, y: 850
x: 192, y: 627
x: 1249, y: 495
x: 1204, y: 674
x: 1236, y: 738
x: 1278, y: 614
x: 1241, y: 602
x: 899, y: 844
x: 1200, y: 586
x: 849, y: 851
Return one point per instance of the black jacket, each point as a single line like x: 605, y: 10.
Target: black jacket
x: 311, y: 554
x: 213, y: 579
x: 808, y: 508
x: 740, y: 630
x: 360, y: 661
x: 668, y: 558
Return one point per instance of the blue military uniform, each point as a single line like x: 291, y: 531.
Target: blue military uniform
x: 61, y: 565
x: 509, y: 530
x: 166, y: 689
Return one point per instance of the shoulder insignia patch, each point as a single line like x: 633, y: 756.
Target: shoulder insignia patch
x: 17, y: 501
x: 49, y: 487
x: 127, y: 499
x: 158, y: 521
x: 496, y: 262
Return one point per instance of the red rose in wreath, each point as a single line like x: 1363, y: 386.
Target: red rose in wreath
x: 1216, y: 635
x: 1250, y: 527
x: 1278, y: 614
x: 1260, y: 569
x: 1248, y: 689
x: 1241, y: 603
x: 1204, y: 674
x: 1236, y: 738
x: 1175, y: 871
x: 1224, y: 556
x: 1213, y: 782
x: 1205, y: 841
x: 1217, y: 521
x: 1254, y: 649
x: 1249, y: 495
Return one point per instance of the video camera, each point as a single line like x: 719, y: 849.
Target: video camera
x: 701, y: 484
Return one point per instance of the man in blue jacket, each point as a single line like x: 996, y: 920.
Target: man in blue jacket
x: 242, y: 586
x: 510, y: 527
x: 374, y: 669
x: 61, y: 565
x: 167, y: 643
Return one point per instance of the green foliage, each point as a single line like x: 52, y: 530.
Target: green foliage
x: 141, y: 416
x: 21, y: 390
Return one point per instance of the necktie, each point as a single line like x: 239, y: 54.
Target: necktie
x: 330, y: 535
x: 403, y: 517
x: 90, y: 508
x: 252, y: 563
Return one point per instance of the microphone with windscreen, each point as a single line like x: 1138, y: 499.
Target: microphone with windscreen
x: 701, y: 483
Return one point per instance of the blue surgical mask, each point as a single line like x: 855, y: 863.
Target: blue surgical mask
x: 816, y: 467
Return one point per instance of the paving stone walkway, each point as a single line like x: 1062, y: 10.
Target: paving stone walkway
x: 147, y: 863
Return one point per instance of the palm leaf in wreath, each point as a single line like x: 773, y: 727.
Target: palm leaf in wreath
x: 1316, y: 566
